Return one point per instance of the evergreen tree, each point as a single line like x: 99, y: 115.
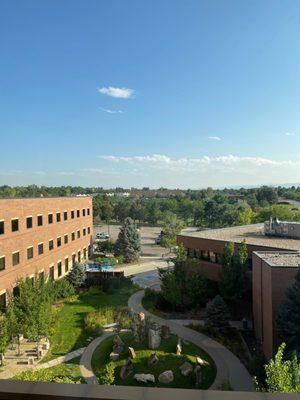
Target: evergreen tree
x: 128, y: 243
x: 4, y: 337
x: 77, y: 275
x: 288, y: 319
x: 217, y: 314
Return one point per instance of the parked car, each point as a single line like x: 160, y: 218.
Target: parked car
x: 102, y: 236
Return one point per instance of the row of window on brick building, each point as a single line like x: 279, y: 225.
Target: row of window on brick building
x: 14, y: 224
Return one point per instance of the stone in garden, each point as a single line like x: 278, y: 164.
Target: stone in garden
x: 126, y: 369
x: 144, y: 378
x: 118, y: 341
x: 30, y: 360
x: 166, y: 377
x: 139, y: 325
x: 153, y: 359
x: 178, y: 349
x: 165, y: 332
x: 154, y: 337
x: 114, y: 356
x: 131, y: 352
x: 198, y: 375
x: 200, y: 361
x: 2, y: 360
x: 186, y: 368
x: 117, y: 349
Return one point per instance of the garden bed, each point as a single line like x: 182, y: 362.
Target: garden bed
x: 168, y: 360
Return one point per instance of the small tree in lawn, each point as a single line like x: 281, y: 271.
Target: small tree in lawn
x: 77, y: 275
x: 217, y: 314
x: 128, y: 243
x: 288, y: 320
x: 4, y: 335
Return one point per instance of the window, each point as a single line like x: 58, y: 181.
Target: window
x: 66, y: 264
x: 89, y: 230
x: 40, y: 248
x: 2, y: 263
x: 65, y: 215
x: 51, y: 273
x: 78, y: 234
x: 1, y: 227
x: 16, y: 291
x: 51, y: 244
x: 58, y: 241
x: 40, y: 220
x: 84, y: 231
x: 88, y: 211
x: 83, y: 212
x: 14, y: 225
x: 79, y: 256
x: 59, y: 271
x: 73, y: 259
x: 73, y: 235
x: 28, y: 222
x: 50, y: 218
x: 78, y: 213
x: 29, y: 253
x: 2, y: 302
x: 72, y: 214
x: 57, y: 217
x: 84, y: 253
x: 66, y: 239
x: 15, y: 258
x: 41, y: 276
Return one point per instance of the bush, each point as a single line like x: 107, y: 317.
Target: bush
x: 62, y: 289
x: 107, y: 375
x: 46, y: 375
x: 95, y: 320
x: 77, y: 275
x: 106, y: 246
x: 115, y: 284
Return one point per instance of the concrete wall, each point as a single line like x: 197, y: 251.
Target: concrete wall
x: 22, y: 239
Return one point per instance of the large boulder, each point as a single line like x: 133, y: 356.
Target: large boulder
x: 131, y: 352
x: 126, y: 369
x: 166, y: 377
x: 154, y: 338
x: 186, y: 368
x: 144, y: 378
x: 153, y: 359
x: 114, y: 356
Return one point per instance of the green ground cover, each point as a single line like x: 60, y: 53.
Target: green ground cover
x: 67, y: 372
x: 69, y: 331
x: 168, y: 360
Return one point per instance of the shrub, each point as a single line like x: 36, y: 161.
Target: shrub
x: 95, y: 320
x: 62, y: 289
x: 115, y: 284
x: 46, y: 375
x: 217, y: 314
x: 77, y: 276
x: 107, y: 375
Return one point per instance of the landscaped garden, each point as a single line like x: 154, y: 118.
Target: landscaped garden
x: 108, y: 372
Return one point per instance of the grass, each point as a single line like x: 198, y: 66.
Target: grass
x: 168, y: 360
x: 69, y: 331
x: 67, y: 372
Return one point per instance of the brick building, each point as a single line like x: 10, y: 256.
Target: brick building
x: 42, y: 236
x: 273, y: 264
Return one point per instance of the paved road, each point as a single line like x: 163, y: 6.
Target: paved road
x: 228, y: 365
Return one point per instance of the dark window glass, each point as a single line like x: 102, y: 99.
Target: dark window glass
x: 72, y: 214
x: 40, y: 248
x: 40, y: 220
x: 14, y: 225
x: 29, y: 222
x: 57, y: 217
x: 59, y: 269
x: 2, y: 302
x: 51, y: 273
x: 51, y: 244
x: 73, y: 235
x: 2, y: 263
x: 66, y: 264
x: 83, y: 212
x: 16, y: 291
x: 16, y: 258
x: 79, y: 256
x: 89, y: 230
x: 84, y: 231
x: 65, y: 215
x: 50, y: 218
x: 1, y: 227
x: 88, y: 211
x: 29, y: 253
x: 73, y: 259
x: 66, y: 239
x: 78, y: 213
x: 78, y: 234
x: 84, y: 253
x: 58, y: 242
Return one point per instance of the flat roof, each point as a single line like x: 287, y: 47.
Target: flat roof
x: 252, y: 234
x: 280, y: 258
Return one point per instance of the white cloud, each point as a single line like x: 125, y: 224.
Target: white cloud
x: 289, y: 134
x: 120, y: 93
x: 217, y: 138
x: 107, y: 110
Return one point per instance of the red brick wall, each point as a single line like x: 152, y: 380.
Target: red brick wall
x: 20, y: 240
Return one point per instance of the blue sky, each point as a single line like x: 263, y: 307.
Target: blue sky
x: 149, y: 93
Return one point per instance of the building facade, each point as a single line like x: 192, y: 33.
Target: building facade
x: 42, y: 237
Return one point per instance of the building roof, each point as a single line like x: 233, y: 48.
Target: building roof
x: 252, y: 234
x: 280, y: 258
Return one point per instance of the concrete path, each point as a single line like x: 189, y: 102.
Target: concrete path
x: 86, y: 359
x: 61, y: 359
x: 228, y: 365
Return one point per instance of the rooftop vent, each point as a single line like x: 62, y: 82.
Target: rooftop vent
x: 274, y: 227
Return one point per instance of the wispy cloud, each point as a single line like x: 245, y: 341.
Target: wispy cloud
x: 217, y: 138
x: 107, y: 110
x: 120, y: 93
x: 289, y: 134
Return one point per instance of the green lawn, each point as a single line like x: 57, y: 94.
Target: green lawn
x: 168, y: 360
x: 67, y: 372
x: 69, y: 331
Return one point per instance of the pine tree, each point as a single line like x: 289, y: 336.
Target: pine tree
x: 288, y: 320
x: 77, y: 275
x: 217, y: 314
x: 128, y: 243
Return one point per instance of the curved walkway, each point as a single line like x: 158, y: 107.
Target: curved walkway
x: 86, y: 359
x: 228, y: 365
